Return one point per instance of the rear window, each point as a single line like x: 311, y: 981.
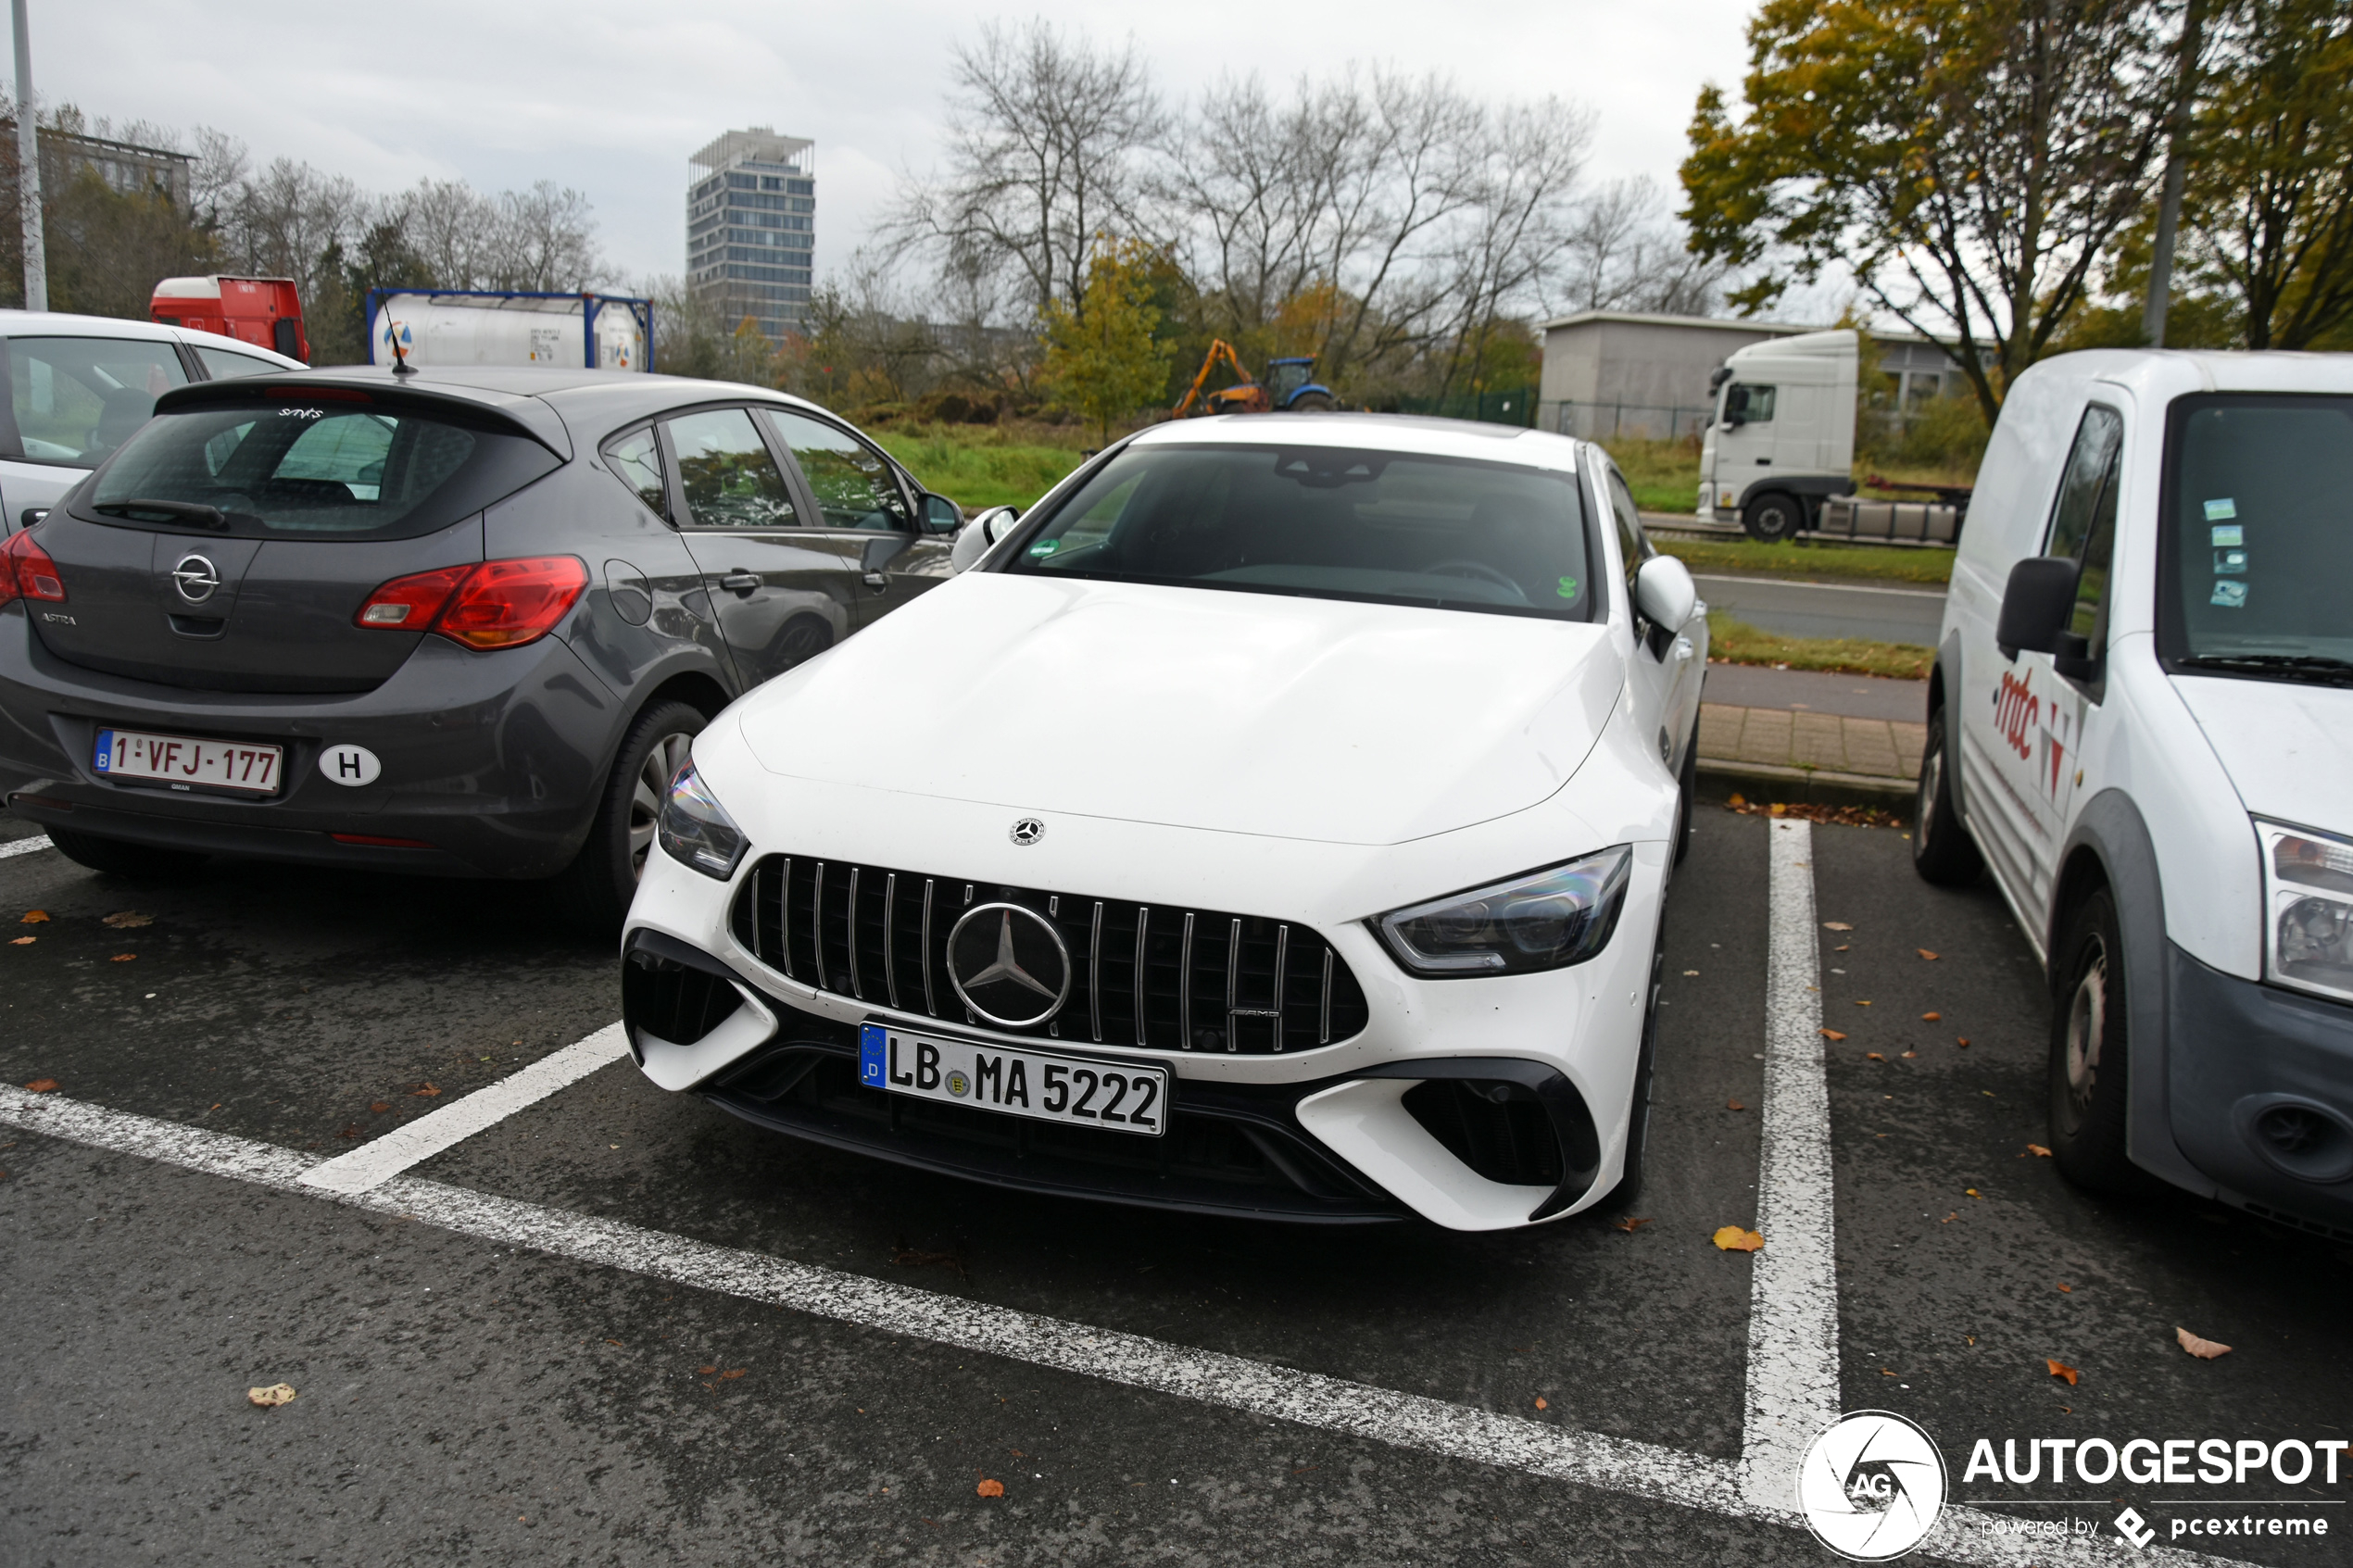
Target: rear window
x: 1327, y: 522
x: 294, y: 469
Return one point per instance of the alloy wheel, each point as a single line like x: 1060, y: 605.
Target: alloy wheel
x: 663, y: 759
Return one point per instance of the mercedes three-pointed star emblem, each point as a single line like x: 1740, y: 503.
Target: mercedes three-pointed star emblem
x: 997, y: 952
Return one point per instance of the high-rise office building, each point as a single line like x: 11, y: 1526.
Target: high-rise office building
x: 751, y: 224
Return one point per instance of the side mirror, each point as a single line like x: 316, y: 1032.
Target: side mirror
x: 2036, y: 604
x: 941, y: 515
x: 986, y: 527
x: 1664, y: 593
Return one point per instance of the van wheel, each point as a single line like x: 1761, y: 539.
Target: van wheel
x: 2088, y: 1067
x: 116, y: 857
x: 597, y: 887
x: 1773, y: 516
x: 1943, y: 851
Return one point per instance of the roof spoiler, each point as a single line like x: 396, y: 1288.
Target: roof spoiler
x: 523, y: 416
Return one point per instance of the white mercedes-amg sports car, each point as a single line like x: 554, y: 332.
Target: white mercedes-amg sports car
x: 1275, y: 821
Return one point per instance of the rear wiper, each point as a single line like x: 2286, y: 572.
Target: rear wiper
x: 178, y: 512
x: 2316, y: 668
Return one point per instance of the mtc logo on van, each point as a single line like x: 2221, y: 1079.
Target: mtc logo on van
x: 2016, y: 712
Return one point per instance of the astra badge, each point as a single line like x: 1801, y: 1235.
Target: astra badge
x: 1008, y: 964
x: 1871, y: 1486
x: 1026, y: 831
x: 196, y: 578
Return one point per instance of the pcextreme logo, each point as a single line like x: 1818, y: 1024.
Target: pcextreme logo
x: 1871, y: 1486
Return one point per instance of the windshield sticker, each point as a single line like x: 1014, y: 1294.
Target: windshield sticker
x: 2216, y: 511
x: 1568, y: 587
x: 2230, y: 563
x: 1045, y: 548
x: 2230, y: 595
x: 2229, y: 533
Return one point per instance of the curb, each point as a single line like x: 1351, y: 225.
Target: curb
x: 1815, y: 785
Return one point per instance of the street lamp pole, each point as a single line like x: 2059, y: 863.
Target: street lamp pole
x: 36, y: 259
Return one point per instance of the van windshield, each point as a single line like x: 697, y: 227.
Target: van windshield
x: 288, y: 468
x: 2259, y: 539
x: 1327, y: 522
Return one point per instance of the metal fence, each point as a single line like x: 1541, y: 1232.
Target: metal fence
x: 1641, y: 421
x: 1509, y: 406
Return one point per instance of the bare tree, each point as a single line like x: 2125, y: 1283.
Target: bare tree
x: 292, y: 221
x: 1623, y: 253
x: 546, y: 240
x: 1044, y: 141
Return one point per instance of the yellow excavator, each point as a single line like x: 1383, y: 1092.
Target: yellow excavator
x: 1286, y: 389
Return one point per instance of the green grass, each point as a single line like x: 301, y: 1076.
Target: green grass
x: 1876, y: 561
x: 978, y: 466
x: 1735, y: 642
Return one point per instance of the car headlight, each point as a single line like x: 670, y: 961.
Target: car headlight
x: 1545, y: 920
x: 696, y: 829
x: 2308, y: 908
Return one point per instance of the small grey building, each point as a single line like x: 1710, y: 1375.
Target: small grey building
x: 1625, y: 372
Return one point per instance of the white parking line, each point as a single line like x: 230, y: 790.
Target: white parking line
x: 1646, y: 1471
x: 1793, y: 1321
x: 25, y: 846
x: 379, y: 1160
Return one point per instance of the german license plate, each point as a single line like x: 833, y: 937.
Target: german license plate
x: 1124, y: 1096
x: 242, y: 766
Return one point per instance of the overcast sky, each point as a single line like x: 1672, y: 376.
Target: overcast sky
x: 611, y: 98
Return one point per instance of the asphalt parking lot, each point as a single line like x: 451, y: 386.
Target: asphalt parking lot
x: 615, y: 1325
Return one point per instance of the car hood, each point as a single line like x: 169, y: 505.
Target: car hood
x: 2288, y: 748
x: 1236, y: 712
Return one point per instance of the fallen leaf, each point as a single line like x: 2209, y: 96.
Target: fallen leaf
x: 35, y: 917
x: 713, y: 1372
x: 1831, y: 1034
x: 126, y: 918
x: 1970, y: 1338
x: 1973, y: 1192
x: 2066, y: 1289
x: 1862, y: 1004
x: 733, y: 1372
x: 2037, y: 1150
x: 1844, y: 947
x: 1734, y: 1105
x: 1541, y: 1404
x: 272, y: 1397
x: 617, y: 1343
x: 1630, y: 1226
x: 1932, y: 1018
x: 2204, y: 1349
x: 1731, y: 1239
x: 1885, y: 1373
x: 22, y: 941
x: 1739, y: 801
x: 42, y: 1085
x: 1688, y: 972
x: 423, y: 1091
x: 1836, y: 925
x: 380, y: 1106
x: 1926, y: 954
x: 1775, y: 808
x: 1946, y: 1221
x: 2060, y: 1368
x: 1873, y: 1056
x: 1961, y: 1040
x: 354, y: 1131
x: 1911, y: 1053
x: 991, y: 1488
x: 122, y: 958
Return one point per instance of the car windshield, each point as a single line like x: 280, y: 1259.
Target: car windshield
x: 292, y: 468
x: 2259, y: 517
x: 1327, y: 522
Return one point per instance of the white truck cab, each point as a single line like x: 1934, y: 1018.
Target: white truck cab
x: 2141, y: 723
x: 1782, y: 439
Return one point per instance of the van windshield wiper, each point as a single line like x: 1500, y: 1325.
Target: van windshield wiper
x: 2316, y: 668
x: 178, y: 512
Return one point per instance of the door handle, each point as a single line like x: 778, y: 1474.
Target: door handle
x: 1683, y: 650
x: 1764, y: 462
x: 741, y: 582
x: 876, y: 579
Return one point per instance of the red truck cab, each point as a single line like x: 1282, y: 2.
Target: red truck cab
x: 262, y: 311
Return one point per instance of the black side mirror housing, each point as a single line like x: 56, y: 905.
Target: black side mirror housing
x: 941, y: 515
x: 2036, y: 604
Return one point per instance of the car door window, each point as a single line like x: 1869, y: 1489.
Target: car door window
x: 220, y: 364
x: 2083, y: 517
x: 730, y: 478
x: 78, y: 398
x: 1632, y: 543
x: 853, y: 484
x: 636, y: 459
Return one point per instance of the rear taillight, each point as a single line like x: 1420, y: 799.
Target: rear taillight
x: 500, y: 604
x: 26, y: 571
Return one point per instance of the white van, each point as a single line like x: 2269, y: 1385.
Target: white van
x: 2141, y: 722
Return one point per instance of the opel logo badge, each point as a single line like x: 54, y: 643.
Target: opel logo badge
x: 196, y: 578
x: 1026, y: 831
x: 1008, y: 964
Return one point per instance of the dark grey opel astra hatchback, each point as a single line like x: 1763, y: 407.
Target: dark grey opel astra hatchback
x: 460, y: 621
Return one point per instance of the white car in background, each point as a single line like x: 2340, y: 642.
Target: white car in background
x: 76, y: 386
x: 1273, y: 821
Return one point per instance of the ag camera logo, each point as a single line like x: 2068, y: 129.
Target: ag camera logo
x: 1871, y: 1486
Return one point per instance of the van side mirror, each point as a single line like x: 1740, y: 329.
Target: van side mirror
x: 941, y: 515
x: 2036, y: 604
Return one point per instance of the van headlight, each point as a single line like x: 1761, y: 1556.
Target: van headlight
x: 1545, y: 920
x: 2308, y: 908
x: 696, y: 830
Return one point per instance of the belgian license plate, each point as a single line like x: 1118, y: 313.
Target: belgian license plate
x: 242, y: 766
x: 1124, y: 1096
